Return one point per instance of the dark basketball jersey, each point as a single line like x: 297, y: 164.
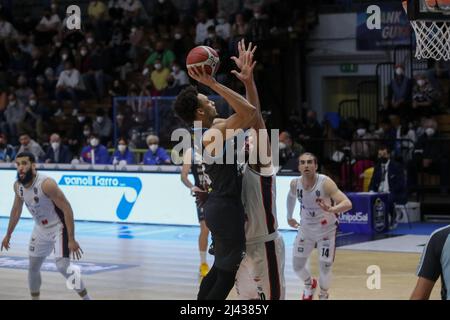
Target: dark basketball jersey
x: 197, y: 172
x: 224, y: 180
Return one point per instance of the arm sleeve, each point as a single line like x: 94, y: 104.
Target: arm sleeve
x: 290, y: 203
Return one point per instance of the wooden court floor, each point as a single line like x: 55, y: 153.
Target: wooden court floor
x: 168, y: 269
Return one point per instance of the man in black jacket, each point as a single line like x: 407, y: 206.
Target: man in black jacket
x: 389, y: 177
x: 57, y: 152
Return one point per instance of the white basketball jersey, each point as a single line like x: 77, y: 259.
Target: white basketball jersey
x: 310, y: 212
x: 44, y: 211
x: 258, y: 198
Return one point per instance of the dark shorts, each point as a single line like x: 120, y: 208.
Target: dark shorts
x: 226, y: 220
x: 200, y: 214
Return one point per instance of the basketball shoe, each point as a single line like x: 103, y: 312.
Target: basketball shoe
x: 204, y: 269
x: 308, y: 292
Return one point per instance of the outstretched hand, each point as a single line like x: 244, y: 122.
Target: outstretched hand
x: 244, y: 62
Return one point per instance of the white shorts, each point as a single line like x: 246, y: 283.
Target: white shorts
x: 44, y: 241
x: 261, y: 272
x: 308, y: 239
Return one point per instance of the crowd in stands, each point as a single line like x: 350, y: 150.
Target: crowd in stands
x: 56, y: 84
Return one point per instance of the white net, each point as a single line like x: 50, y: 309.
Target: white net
x: 432, y: 39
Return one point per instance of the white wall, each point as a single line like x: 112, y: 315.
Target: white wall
x: 334, y: 43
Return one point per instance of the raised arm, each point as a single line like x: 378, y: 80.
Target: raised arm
x: 14, y: 218
x: 245, y: 112
x: 51, y: 190
x: 342, y: 202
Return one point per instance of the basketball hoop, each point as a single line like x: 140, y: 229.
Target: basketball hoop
x: 432, y: 37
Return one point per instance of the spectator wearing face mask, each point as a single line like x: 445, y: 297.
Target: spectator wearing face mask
x: 165, y: 56
x: 156, y: 155
x: 223, y: 27
x: 122, y: 155
x: 57, y: 152
x: 425, y: 97
x: 389, y: 177
x: 289, y: 151
x: 362, y: 146
x: 29, y: 145
x: 95, y: 153
x: 159, y: 78
x: 180, y: 77
x: 14, y: 115
x: 399, y: 92
x: 431, y: 156
x: 35, y: 116
x: 102, y: 126
x: 7, y: 152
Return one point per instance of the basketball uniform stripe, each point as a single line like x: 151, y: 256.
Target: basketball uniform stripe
x: 266, y: 193
x: 272, y: 265
x: 65, y: 238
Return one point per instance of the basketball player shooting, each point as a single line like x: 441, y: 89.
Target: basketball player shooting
x: 320, y: 203
x: 54, y: 229
x: 224, y: 211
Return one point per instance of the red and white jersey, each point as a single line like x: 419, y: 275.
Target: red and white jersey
x: 311, y: 215
x: 258, y: 198
x: 43, y: 210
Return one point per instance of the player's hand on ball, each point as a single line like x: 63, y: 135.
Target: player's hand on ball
x: 5, y: 243
x: 75, y: 249
x: 293, y: 223
x: 199, y: 74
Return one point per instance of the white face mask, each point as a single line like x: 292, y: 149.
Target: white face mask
x: 282, y: 145
x: 420, y: 82
x: 399, y: 71
x: 64, y: 56
x: 81, y: 118
x: 33, y: 103
x: 211, y: 35
x: 99, y: 119
x: 177, y: 36
x: 86, y: 133
x: 94, y: 142
x: 83, y: 52
x: 153, y: 147
x: 158, y: 66
x: 221, y: 21
x: 90, y: 40
x: 55, y: 145
x: 121, y: 147
x: 429, y: 131
x: 361, y: 132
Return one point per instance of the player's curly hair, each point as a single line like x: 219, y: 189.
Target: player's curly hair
x: 186, y: 104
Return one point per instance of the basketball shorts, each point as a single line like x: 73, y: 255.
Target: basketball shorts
x: 261, y: 273
x: 308, y: 238
x: 48, y: 240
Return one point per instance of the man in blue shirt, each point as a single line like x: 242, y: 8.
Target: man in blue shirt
x: 156, y: 155
x: 95, y: 153
x: 122, y: 153
x: 7, y: 152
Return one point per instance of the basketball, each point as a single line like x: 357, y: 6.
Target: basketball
x: 430, y: 3
x: 204, y: 56
x: 444, y: 4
